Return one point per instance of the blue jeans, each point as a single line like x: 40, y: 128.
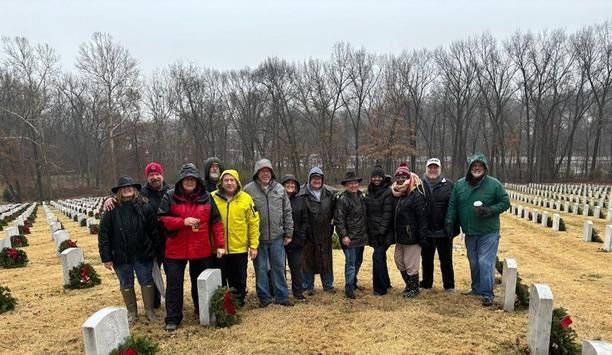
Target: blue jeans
x: 125, y: 273
x: 327, y: 279
x: 351, y: 266
x: 274, y: 251
x: 380, y: 272
x: 481, y: 253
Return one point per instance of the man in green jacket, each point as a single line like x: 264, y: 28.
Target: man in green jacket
x: 478, y: 200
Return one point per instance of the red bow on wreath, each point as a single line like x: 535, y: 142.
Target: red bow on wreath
x: 12, y: 253
x: 128, y: 351
x: 84, y: 274
x: 565, y: 322
x: 227, y: 304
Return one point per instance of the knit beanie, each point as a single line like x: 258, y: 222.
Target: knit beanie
x: 402, y: 169
x: 377, y: 171
x: 153, y: 167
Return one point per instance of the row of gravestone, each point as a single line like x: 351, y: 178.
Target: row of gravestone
x: 106, y: 329
x: 563, y: 206
x: 569, y: 189
x: 76, y: 214
x: 18, y: 222
x: 602, y: 200
x: 543, y: 218
x: 90, y: 206
x: 539, y: 324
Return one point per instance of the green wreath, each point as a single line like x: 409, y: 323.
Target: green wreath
x: 136, y: 345
x: 68, y: 243
x: 11, y: 258
x: 7, y: 301
x: 93, y: 229
x: 19, y: 241
x: 83, y: 276
x: 224, y: 306
x: 562, y: 337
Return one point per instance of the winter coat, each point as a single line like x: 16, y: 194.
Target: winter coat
x: 272, y: 204
x: 381, y: 205
x: 410, y: 219
x: 436, y: 205
x: 300, y: 217
x: 489, y: 191
x: 317, y: 252
x: 208, y: 183
x: 128, y: 233
x: 350, y: 218
x: 154, y: 198
x: 240, y: 219
x: 183, y: 242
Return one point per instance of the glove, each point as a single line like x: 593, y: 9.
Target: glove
x: 449, y: 231
x: 483, y: 211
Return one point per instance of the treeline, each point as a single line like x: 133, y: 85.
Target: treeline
x: 537, y: 104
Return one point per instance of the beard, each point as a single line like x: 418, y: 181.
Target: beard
x: 157, y: 183
x: 477, y: 174
x: 214, y: 176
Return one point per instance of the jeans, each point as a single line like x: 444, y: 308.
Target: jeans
x: 274, y: 252
x: 351, y: 266
x: 481, y: 253
x: 294, y: 259
x: 380, y: 273
x: 125, y: 273
x: 175, y: 276
x: 445, y: 254
x: 327, y: 279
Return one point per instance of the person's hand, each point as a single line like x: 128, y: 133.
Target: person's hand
x: 109, y: 203
x: 346, y: 241
x: 220, y: 252
x: 109, y: 265
x: 483, y: 211
x: 190, y: 221
x: 287, y: 240
x: 252, y: 253
x: 448, y: 229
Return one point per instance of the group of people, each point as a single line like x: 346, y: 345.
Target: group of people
x: 215, y: 222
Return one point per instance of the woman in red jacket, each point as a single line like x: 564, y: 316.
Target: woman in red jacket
x: 188, y: 214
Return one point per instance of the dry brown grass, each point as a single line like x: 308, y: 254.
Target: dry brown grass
x: 48, y: 318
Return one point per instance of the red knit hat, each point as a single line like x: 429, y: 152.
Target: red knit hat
x: 154, y: 167
x: 402, y: 169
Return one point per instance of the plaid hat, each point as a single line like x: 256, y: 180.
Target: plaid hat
x: 153, y: 167
x: 434, y: 161
x: 402, y: 169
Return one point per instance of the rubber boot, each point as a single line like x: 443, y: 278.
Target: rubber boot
x: 413, y: 286
x: 148, y: 298
x: 406, y: 278
x: 129, y: 298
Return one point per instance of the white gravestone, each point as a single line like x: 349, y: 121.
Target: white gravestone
x: 534, y: 216
x: 90, y: 221
x: 70, y: 258
x: 11, y: 231
x: 208, y: 282
x: 596, y: 347
x: 105, y: 330
x: 545, y: 219
x: 585, y: 210
x: 587, y: 232
x: 540, y: 319
x: 576, y: 205
x: 5, y: 243
x: 556, y: 222
x: 55, y: 226
x: 59, y: 237
x: 509, y: 277
x: 609, y: 214
x: 597, y: 212
x: 608, y: 240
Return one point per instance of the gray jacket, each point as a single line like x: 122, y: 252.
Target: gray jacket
x: 273, y: 205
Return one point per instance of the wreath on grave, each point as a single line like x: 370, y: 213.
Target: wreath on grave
x: 68, y: 243
x: 224, y: 306
x: 7, y: 301
x: 3, y: 222
x: 93, y: 229
x: 90, y: 214
x: 97, y: 215
x: 83, y: 276
x: 75, y: 218
x: 83, y: 223
x: 595, y: 236
x: 522, y: 290
x: 562, y: 337
x: 19, y: 241
x: 12, y: 258
x: 24, y: 229
x: 136, y: 345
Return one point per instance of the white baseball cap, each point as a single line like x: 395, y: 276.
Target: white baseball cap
x: 433, y: 161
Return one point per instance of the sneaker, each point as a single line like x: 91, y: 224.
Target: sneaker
x: 300, y: 298
x: 350, y: 294
x: 330, y: 290
x: 170, y: 327
x: 487, y: 302
x: 378, y: 293
x: 264, y: 304
x: 287, y: 303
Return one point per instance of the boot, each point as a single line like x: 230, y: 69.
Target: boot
x: 413, y: 286
x: 406, y: 278
x: 129, y: 298
x: 148, y: 298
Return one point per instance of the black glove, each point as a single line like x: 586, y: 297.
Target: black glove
x: 483, y: 211
x: 448, y: 229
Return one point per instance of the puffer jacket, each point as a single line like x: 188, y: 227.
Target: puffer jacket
x: 183, y: 242
x: 410, y: 218
x: 350, y: 218
x: 272, y: 204
x: 488, y: 190
x: 240, y: 219
x: 208, y: 183
x: 300, y: 216
x: 381, y: 205
x: 436, y: 205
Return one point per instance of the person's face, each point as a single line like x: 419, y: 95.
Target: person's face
x: 127, y: 193
x: 214, y: 171
x: 352, y: 186
x: 229, y: 184
x: 376, y: 180
x: 477, y: 169
x: 433, y: 171
x: 265, y: 175
x: 189, y: 184
x: 155, y: 180
x: 316, y: 182
x: 290, y: 187
x: 400, y: 179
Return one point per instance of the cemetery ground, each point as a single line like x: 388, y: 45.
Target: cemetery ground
x: 48, y: 318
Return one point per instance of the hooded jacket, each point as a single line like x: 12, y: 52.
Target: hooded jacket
x: 488, y: 190
x: 299, y: 214
x: 240, y: 219
x: 350, y: 218
x: 380, y: 204
x: 208, y: 183
x: 183, y: 242
x: 272, y: 204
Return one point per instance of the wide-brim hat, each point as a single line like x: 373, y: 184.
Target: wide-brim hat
x: 350, y: 176
x: 125, y: 181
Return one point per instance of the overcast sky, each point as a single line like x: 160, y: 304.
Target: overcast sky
x: 233, y: 34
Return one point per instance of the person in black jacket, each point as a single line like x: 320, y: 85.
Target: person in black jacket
x: 437, y: 193
x: 351, y: 225
x: 126, y: 242
x: 300, y: 230
x: 410, y: 222
x: 380, y: 232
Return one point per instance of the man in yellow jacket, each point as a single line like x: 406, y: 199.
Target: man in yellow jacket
x: 241, y: 227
